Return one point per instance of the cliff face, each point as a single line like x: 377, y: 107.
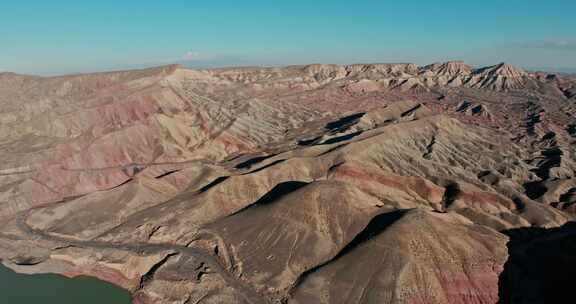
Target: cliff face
x: 365, y: 183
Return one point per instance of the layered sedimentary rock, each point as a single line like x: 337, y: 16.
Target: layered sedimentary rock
x: 367, y: 183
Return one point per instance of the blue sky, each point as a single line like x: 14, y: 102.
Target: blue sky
x: 59, y: 36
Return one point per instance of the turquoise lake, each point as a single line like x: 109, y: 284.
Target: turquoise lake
x: 18, y: 288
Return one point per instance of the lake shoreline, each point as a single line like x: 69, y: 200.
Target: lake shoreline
x: 54, y: 287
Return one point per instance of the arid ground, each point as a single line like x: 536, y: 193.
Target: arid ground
x: 366, y: 183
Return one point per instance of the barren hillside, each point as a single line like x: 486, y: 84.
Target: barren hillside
x: 366, y: 183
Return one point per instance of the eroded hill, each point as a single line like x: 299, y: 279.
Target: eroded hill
x: 367, y: 183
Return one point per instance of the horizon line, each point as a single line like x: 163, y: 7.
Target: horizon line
x: 189, y: 65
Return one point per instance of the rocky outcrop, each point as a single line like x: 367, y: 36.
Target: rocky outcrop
x: 471, y: 109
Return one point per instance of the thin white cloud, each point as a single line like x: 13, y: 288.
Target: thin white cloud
x: 193, y: 56
x: 190, y: 55
x: 192, y: 59
x: 185, y: 57
x: 555, y: 44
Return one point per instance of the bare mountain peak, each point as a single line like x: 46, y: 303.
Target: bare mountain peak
x: 384, y: 68
x: 323, y: 72
x: 322, y: 68
x: 450, y: 68
x: 502, y: 69
x: 369, y: 70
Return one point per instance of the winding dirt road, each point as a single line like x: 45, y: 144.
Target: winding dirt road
x: 197, y: 255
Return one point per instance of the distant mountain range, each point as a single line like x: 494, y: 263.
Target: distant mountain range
x: 553, y: 70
